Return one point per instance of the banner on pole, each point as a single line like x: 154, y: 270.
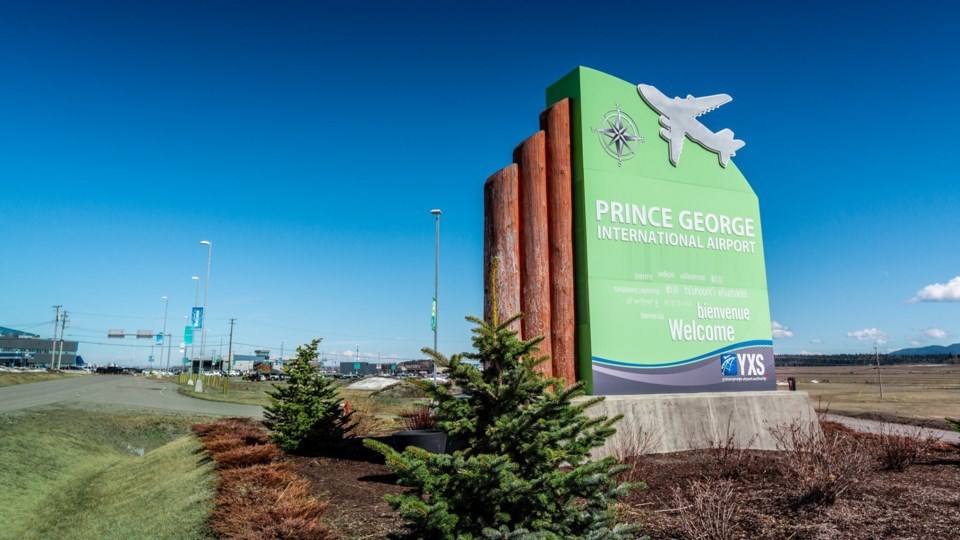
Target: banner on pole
x: 188, y: 335
x: 196, y: 317
x: 433, y: 315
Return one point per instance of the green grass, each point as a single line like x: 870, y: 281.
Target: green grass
x: 72, y: 473
x: 11, y: 379
x: 238, y: 391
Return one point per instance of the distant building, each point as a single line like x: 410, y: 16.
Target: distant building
x: 18, y: 348
x: 359, y: 368
x: 416, y: 367
x: 244, y: 362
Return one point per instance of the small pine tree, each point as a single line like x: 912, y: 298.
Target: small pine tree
x: 520, y: 429
x: 307, y: 412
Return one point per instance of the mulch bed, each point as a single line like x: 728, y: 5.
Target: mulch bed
x: 355, y: 491
x: 921, y: 502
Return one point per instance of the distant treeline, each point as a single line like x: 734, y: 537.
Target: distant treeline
x: 813, y: 360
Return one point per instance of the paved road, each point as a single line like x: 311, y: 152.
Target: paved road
x: 872, y: 426
x: 124, y: 390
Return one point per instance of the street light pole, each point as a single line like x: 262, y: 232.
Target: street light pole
x: 166, y: 304
x: 196, y: 300
x: 203, y: 326
x: 436, y: 289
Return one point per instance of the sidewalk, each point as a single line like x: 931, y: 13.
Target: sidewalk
x: 872, y: 426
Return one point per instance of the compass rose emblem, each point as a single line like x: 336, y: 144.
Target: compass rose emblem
x: 618, y: 135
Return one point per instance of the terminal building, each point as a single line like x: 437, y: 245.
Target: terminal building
x: 23, y: 349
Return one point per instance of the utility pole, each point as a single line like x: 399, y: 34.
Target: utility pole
x: 53, y: 341
x: 63, y: 330
x: 879, y: 379
x: 230, y: 347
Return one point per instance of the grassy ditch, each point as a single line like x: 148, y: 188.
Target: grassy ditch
x: 12, y: 378
x: 72, y: 473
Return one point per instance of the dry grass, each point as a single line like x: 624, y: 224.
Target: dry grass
x: 916, y: 394
x: 367, y: 422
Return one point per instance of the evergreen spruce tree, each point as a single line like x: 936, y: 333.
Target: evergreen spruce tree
x: 307, y: 412
x: 519, y: 429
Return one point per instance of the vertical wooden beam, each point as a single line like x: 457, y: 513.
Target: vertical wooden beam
x: 501, y: 239
x: 555, y: 121
x: 534, y: 244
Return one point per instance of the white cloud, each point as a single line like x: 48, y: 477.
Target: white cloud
x: 780, y: 331
x: 869, y: 334
x: 816, y: 341
x: 806, y: 353
x: 935, y: 333
x: 915, y: 343
x: 939, y: 292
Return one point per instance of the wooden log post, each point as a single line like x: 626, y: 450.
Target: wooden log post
x: 555, y: 121
x: 501, y: 240
x: 530, y: 156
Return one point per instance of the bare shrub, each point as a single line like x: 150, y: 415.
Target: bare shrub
x: 267, y: 501
x: 631, y: 442
x: 420, y: 417
x: 706, y: 510
x: 897, y: 451
x: 246, y: 456
x: 824, y: 466
x: 724, y: 455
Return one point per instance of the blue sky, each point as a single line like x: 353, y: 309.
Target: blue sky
x: 310, y: 141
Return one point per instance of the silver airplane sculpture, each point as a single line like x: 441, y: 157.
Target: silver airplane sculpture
x: 679, y: 119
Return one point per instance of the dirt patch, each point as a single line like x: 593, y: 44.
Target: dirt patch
x: 354, y: 488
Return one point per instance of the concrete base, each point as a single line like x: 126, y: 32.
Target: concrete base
x: 661, y: 423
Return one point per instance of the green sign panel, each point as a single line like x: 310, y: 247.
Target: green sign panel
x: 188, y: 335
x: 670, y: 282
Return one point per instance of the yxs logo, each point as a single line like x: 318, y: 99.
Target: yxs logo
x: 746, y: 364
x: 728, y: 364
